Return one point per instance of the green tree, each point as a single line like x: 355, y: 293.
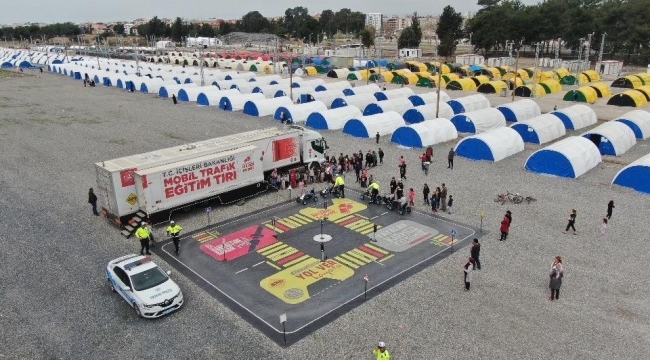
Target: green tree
x: 225, y: 28
x: 309, y: 28
x: 118, y: 29
x: 254, y: 22
x: 417, y: 30
x: 449, y: 31
x: 367, y: 37
x: 177, y: 30
x: 407, y: 39
x: 326, y: 22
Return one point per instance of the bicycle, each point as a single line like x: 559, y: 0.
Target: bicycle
x: 508, y: 196
x: 529, y: 199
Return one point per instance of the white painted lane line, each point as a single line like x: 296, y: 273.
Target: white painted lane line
x: 242, y: 270
x: 259, y: 263
x: 373, y: 218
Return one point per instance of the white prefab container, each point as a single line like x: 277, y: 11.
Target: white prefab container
x: 281, y: 147
x: 168, y: 186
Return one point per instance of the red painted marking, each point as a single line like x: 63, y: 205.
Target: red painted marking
x: 240, y: 243
x: 282, y: 226
x: 446, y: 240
x: 420, y: 239
x: 202, y: 236
x: 372, y: 252
x: 290, y: 257
x: 349, y: 221
x: 345, y: 208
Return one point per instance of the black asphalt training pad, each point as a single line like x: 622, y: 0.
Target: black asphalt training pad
x: 311, y: 263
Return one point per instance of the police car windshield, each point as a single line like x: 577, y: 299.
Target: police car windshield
x: 148, y: 279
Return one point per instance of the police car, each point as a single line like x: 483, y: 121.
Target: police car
x: 145, y: 286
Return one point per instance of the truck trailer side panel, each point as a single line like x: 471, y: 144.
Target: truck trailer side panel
x: 173, y: 185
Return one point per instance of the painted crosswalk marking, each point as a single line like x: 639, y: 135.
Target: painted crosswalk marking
x: 206, y: 236
x: 288, y: 223
x: 443, y: 240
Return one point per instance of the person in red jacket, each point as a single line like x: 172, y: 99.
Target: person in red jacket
x: 505, y: 228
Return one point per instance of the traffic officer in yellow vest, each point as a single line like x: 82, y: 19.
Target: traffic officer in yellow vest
x: 143, y: 235
x: 339, y: 183
x: 380, y: 352
x: 174, y: 230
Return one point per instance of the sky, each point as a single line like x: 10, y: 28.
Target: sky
x: 53, y: 11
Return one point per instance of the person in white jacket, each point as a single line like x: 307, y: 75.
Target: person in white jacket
x: 468, y: 269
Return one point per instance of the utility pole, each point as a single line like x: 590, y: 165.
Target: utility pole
x: 582, y: 41
x: 439, y: 85
x: 516, y: 72
x: 600, y: 52
x: 557, y: 53
x: 201, y: 65
x: 535, y: 71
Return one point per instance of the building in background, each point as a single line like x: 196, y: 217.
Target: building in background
x: 374, y: 20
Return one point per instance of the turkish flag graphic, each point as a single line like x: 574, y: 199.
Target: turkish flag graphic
x: 127, y: 178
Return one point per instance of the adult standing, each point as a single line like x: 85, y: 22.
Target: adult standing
x: 557, y: 273
x: 572, y: 222
x: 380, y: 352
x: 377, y: 137
x: 381, y: 156
x: 505, y: 228
x: 174, y: 230
x: 393, y: 185
x: 450, y: 158
x: 340, y: 184
x: 443, y: 198
x: 402, y: 171
x: 475, y: 252
x: 92, y: 200
x: 610, y: 208
x: 468, y: 269
x: 143, y: 235
x: 425, y: 194
x: 174, y: 99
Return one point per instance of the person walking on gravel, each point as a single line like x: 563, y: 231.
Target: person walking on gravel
x: 450, y: 159
x: 610, y: 208
x: 505, y: 228
x: 92, y: 200
x: 377, y: 137
x: 475, y: 252
x: 468, y: 269
x: 143, y: 235
x: 556, y: 275
x: 443, y: 198
x: 572, y: 222
x: 380, y: 352
x: 381, y: 156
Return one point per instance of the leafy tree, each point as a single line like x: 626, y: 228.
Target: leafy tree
x: 254, y: 22
x: 449, y: 30
x: 309, y: 28
x: 367, y: 37
x: 206, y: 30
x: 177, y: 30
x: 226, y: 28
x: 417, y: 30
x: 407, y: 39
x: 118, y: 29
x: 326, y: 22
x: 294, y: 19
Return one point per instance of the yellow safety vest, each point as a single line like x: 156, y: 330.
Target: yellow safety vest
x: 339, y: 181
x: 381, y: 355
x: 174, y: 230
x: 142, y: 233
x: 374, y: 185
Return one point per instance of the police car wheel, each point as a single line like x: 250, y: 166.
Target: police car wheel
x: 137, y: 310
x: 110, y: 285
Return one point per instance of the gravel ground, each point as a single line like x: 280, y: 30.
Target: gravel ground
x: 56, y: 304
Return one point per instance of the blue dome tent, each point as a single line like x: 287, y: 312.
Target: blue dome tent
x: 367, y: 126
x: 570, y: 158
x: 635, y: 176
x: 426, y: 133
x: 541, y: 129
x: 333, y: 119
x: 638, y: 121
x: 612, y: 138
x: 493, y: 145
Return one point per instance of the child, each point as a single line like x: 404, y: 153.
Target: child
x: 411, y: 197
x: 450, y: 203
x: 603, y: 226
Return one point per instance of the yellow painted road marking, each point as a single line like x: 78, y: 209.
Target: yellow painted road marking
x: 282, y: 254
x: 273, y: 265
x: 386, y: 258
x: 292, y: 223
x: 274, y: 228
x: 297, y: 220
x: 267, y: 248
x: 363, y: 254
x: 343, y: 219
x: 352, y: 259
x: 303, y: 218
x: 358, y: 224
x: 366, y: 229
x: 271, y: 251
x: 343, y: 261
x: 376, y: 248
x: 294, y: 262
x: 287, y: 224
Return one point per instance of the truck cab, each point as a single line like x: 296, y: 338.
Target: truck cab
x: 313, y: 147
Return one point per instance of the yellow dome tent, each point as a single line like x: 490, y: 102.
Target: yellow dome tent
x: 562, y: 72
x: 481, y: 79
x: 492, y: 87
x: 551, y: 86
x: 311, y: 71
x: 523, y: 74
x: 462, y: 84
x: 632, y: 98
x: 548, y: 75
x: 585, y: 94
x: 630, y: 82
x: 592, y: 75
x: 527, y: 91
x: 645, y: 89
x: 602, y: 89
x: 645, y: 77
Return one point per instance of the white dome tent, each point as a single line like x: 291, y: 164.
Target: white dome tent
x: 152, y: 86
x: 191, y: 94
x: 236, y: 101
x: 404, y: 92
x: 213, y: 98
x: 367, y: 126
x: 265, y: 107
x: 364, y: 89
x: 520, y: 110
x: 269, y: 91
x: 428, y: 112
x: 541, y: 129
x: 360, y: 101
x: 638, y: 121
x: 569, y: 158
x: 299, y: 112
x: 425, y: 133
x: 635, y: 176
x: 327, y: 96
x: 168, y: 90
x: 333, y: 119
x: 334, y: 86
x: 576, y: 117
x: 469, y: 103
x: 246, y: 88
x: 399, y: 105
x: 493, y: 145
x: 429, y: 98
x: 612, y: 138
x: 295, y: 93
x: 475, y: 122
